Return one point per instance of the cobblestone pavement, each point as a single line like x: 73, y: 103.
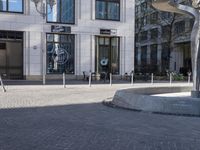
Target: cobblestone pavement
x: 53, y: 118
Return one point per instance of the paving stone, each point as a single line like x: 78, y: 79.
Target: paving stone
x: 52, y: 118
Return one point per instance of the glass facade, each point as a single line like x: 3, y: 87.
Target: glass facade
x: 108, y: 9
x: 60, y: 53
x: 62, y: 12
x: 107, y: 55
x: 11, y: 6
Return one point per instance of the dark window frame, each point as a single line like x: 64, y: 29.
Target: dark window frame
x: 57, y: 73
x: 16, y: 12
x: 60, y: 22
x: 106, y: 1
x: 110, y: 39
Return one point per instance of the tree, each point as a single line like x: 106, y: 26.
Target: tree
x: 150, y: 19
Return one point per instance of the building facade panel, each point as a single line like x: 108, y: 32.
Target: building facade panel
x: 85, y: 28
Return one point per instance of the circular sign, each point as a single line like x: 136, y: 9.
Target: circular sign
x: 104, y: 62
x: 60, y: 55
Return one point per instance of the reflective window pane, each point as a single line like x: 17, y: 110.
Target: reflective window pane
x: 100, y: 10
x: 115, y: 55
x: 11, y: 5
x: 101, y: 41
x: 3, y: 5
x: 67, y: 11
x: 108, y: 9
x: 54, y: 13
x: 62, y: 12
x: 15, y: 5
x: 113, y: 11
x: 50, y: 37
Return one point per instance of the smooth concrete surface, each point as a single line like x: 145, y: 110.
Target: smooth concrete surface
x: 143, y: 99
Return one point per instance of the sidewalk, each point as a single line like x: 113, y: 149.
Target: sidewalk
x: 34, y: 94
x: 50, y: 117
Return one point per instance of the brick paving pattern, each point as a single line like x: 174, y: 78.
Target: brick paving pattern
x: 52, y: 118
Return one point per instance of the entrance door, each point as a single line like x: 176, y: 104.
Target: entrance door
x: 107, y: 55
x: 3, y: 58
x: 14, y: 60
x: 11, y: 54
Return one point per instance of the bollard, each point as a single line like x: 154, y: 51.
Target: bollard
x: 110, y: 79
x: 170, y: 79
x: 90, y: 79
x: 132, y: 78
x: 152, y: 79
x: 2, y: 85
x: 64, y: 80
x: 44, y: 79
x: 189, y: 78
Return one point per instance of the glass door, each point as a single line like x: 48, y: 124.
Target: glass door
x: 3, y: 58
x: 11, y: 54
x: 107, y: 55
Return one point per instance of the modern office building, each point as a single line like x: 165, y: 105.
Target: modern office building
x: 162, y: 40
x: 75, y: 36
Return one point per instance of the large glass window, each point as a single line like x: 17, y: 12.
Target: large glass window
x: 143, y: 59
x: 62, y: 12
x: 11, y: 54
x: 60, y: 53
x: 108, y: 9
x: 179, y: 27
x: 107, y: 55
x: 11, y: 6
x: 165, y: 56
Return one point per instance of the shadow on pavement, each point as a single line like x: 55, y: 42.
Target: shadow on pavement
x: 94, y: 127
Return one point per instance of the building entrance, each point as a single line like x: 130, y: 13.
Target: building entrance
x: 11, y: 54
x: 107, y: 55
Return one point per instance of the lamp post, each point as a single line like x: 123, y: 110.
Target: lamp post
x: 40, y: 6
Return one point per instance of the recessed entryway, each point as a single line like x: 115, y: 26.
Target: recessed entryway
x: 11, y: 54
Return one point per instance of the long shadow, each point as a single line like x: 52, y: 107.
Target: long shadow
x: 93, y: 127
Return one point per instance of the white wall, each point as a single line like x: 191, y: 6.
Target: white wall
x: 85, y: 29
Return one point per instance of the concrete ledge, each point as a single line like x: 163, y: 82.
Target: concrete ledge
x: 141, y: 99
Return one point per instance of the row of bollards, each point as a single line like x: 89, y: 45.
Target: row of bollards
x: 110, y: 75
x: 2, y: 85
x: 170, y: 78
x: 132, y: 79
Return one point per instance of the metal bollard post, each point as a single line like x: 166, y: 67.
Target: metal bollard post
x: 90, y: 79
x: 110, y: 79
x: 170, y: 79
x: 152, y: 79
x: 64, y: 80
x: 132, y: 78
x: 2, y: 85
x: 189, y: 78
x: 44, y: 79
